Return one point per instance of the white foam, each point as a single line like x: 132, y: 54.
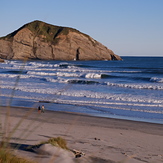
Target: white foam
x: 135, y: 86
x: 112, y: 105
x: 41, y: 73
x: 37, y: 64
x: 10, y: 62
x: 61, y: 74
x: 51, y: 80
x: 93, y: 75
x: 157, y: 80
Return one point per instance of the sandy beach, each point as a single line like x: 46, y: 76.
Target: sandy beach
x: 103, y: 140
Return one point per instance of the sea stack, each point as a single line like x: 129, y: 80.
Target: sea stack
x: 41, y: 41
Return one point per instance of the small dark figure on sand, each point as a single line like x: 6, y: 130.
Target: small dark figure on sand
x: 39, y: 109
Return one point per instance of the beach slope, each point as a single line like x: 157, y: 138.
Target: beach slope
x: 103, y: 140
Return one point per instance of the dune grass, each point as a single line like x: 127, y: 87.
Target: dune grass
x: 58, y: 142
x: 6, y: 151
x: 6, y: 156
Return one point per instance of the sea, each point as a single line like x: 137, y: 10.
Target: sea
x: 131, y: 89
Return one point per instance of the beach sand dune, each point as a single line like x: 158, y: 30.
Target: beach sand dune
x: 103, y: 140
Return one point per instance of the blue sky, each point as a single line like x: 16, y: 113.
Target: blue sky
x: 128, y: 27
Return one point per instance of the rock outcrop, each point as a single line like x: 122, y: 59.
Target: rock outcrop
x: 39, y: 40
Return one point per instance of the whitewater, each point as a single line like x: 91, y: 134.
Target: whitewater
x: 131, y: 89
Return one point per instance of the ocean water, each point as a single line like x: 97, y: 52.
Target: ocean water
x: 130, y: 89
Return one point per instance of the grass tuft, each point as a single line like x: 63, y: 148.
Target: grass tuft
x: 58, y: 142
x: 7, y: 157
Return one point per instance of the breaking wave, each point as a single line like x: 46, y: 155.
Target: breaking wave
x: 157, y: 80
x: 134, y: 86
x: 96, y: 76
x: 74, y: 81
x: 59, y: 78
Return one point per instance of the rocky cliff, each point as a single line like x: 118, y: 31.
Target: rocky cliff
x: 39, y: 40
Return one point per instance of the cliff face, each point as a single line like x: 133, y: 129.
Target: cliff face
x: 38, y: 40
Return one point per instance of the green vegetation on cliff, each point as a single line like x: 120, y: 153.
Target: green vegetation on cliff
x: 47, y: 32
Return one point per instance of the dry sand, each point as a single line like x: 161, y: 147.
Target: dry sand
x: 103, y: 140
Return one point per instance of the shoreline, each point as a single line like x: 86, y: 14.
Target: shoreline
x: 104, y: 139
x: 91, y: 118
x: 67, y: 106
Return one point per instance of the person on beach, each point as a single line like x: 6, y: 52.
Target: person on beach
x: 39, y: 109
x: 42, y: 109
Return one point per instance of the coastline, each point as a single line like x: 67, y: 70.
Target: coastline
x: 94, y: 87
x: 65, y: 107
x: 104, y: 139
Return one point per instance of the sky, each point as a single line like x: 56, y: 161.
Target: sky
x: 128, y: 27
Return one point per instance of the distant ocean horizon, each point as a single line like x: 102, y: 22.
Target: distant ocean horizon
x: 130, y: 89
